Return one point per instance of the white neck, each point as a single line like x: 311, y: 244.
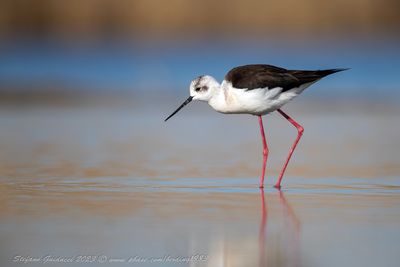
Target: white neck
x: 218, y: 101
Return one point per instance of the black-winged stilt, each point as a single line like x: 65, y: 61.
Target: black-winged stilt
x: 258, y: 90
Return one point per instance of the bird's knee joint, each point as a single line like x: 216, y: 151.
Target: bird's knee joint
x: 300, y: 129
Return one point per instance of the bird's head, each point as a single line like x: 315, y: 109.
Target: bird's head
x: 202, y: 88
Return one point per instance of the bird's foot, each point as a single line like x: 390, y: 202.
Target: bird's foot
x: 277, y: 186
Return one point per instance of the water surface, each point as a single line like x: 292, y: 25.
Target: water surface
x: 120, y: 185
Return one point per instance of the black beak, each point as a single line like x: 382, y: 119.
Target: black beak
x: 187, y: 101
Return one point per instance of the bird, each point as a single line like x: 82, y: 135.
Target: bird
x: 256, y: 89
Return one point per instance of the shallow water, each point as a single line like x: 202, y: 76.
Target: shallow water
x: 120, y: 185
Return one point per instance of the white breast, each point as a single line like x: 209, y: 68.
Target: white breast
x: 256, y: 101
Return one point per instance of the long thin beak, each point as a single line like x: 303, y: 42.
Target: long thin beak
x: 187, y: 101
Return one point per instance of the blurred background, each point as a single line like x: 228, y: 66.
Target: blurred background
x: 132, y: 62
x: 89, y: 167
x: 105, y: 49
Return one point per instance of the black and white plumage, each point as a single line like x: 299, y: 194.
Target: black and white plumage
x: 258, y: 90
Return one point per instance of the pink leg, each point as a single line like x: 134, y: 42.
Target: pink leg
x: 265, y: 151
x: 300, y: 130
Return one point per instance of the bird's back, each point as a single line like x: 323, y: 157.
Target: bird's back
x: 256, y: 76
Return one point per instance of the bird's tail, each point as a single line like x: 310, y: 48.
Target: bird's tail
x: 306, y: 76
x: 323, y: 73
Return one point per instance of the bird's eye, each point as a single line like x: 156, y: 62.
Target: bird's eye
x: 197, y: 89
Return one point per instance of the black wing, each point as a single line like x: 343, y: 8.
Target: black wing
x: 267, y: 76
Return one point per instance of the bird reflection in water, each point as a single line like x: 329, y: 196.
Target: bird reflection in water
x: 291, y: 256
x: 263, y: 227
x: 278, y: 238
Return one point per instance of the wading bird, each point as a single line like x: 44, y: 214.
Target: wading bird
x: 258, y: 90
